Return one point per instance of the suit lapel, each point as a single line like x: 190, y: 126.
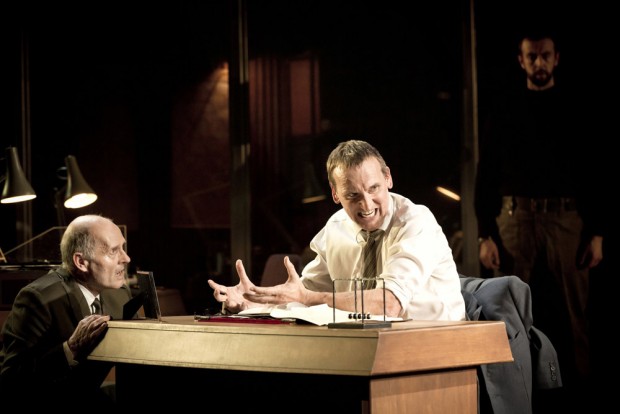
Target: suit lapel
x: 77, y: 300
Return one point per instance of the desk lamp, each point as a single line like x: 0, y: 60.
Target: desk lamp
x: 16, y: 186
x: 78, y: 193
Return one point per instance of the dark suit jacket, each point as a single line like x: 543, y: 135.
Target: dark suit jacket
x: 44, y: 315
x: 509, y: 385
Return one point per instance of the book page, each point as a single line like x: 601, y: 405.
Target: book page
x: 266, y: 310
x: 318, y: 315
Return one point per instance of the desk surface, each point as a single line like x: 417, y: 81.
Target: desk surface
x: 405, y: 347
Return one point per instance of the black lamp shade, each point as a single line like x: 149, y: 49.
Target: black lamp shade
x: 78, y: 194
x: 16, y: 186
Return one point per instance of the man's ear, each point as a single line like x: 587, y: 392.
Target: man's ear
x: 334, y: 194
x: 80, y: 262
x: 388, y: 178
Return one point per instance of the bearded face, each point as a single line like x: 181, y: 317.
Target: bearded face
x: 538, y: 59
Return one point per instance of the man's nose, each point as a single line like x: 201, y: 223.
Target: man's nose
x: 367, y: 201
x: 539, y: 61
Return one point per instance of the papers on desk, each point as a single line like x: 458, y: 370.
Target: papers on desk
x: 318, y: 315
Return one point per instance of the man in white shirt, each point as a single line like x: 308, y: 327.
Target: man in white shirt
x: 414, y: 260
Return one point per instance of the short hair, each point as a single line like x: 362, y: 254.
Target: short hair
x: 536, y: 32
x: 78, y: 238
x: 351, y: 154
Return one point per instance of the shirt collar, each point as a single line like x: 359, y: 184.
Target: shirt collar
x: 90, y: 298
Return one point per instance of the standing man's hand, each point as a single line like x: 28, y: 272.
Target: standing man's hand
x: 592, y: 253
x: 488, y: 253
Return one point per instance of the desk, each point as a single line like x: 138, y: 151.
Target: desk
x: 414, y: 366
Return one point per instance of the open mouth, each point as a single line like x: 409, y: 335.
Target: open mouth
x: 366, y: 214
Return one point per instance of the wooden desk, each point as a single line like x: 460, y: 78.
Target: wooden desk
x: 421, y: 367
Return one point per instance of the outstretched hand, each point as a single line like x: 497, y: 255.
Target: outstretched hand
x: 293, y: 290
x: 246, y: 295
x: 234, y: 296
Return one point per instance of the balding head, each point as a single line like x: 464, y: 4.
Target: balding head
x: 81, y: 237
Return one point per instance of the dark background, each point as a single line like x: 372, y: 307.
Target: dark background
x: 106, y: 82
x: 109, y: 83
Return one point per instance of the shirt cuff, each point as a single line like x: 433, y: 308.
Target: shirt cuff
x: 68, y: 354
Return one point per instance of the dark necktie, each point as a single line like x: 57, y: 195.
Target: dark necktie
x: 96, y: 307
x: 370, y: 253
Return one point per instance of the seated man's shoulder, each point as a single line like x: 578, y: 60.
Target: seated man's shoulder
x: 49, y: 280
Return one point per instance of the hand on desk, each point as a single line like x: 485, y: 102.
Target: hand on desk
x: 246, y: 295
x: 87, y: 334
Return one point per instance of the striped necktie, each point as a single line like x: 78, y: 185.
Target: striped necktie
x: 96, y: 307
x: 370, y: 254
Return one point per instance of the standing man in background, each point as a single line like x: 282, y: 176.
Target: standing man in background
x: 536, y: 203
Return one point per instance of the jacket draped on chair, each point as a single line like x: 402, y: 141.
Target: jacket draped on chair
x: 509, y: 385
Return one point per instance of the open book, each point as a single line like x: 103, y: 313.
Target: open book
x: 318, y: 315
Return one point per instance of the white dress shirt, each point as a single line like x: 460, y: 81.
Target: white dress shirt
x: 90, y: 298
x: 415, y: 262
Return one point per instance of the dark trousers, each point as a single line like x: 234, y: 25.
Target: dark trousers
x: 542, y: 249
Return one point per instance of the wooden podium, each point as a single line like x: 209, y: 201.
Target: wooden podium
x: 412, y: 367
